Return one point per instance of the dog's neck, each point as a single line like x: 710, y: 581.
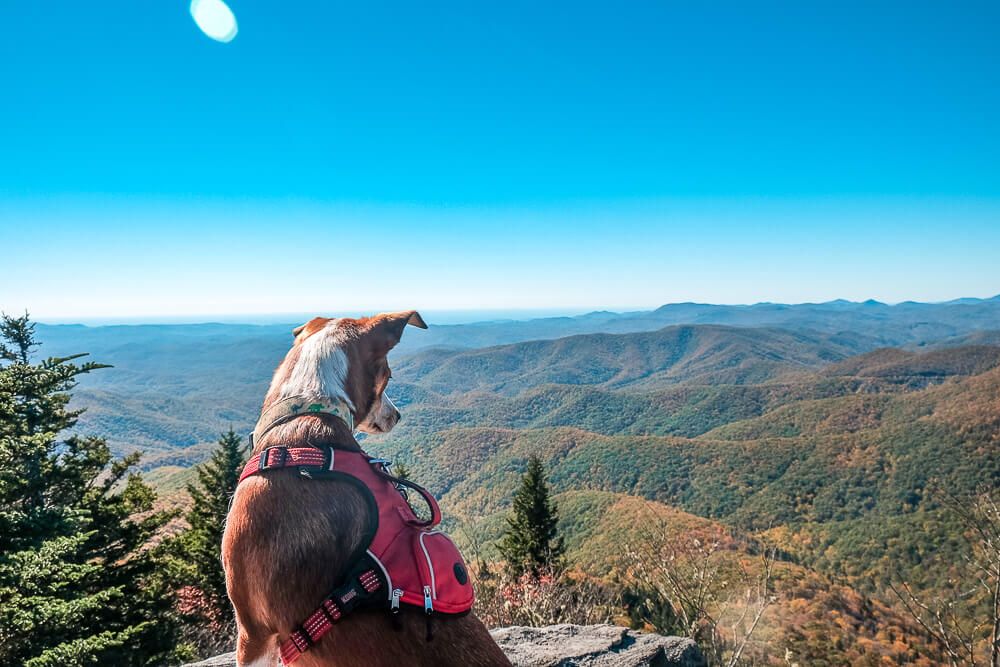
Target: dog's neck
x: 292, y: 407
x: 308, y: 403
x: 315, y: 370
x: 300, y: 421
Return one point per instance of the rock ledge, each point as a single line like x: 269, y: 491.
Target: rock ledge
x: 594, y: 646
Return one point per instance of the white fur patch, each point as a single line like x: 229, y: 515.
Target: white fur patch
x: 267, y: 660
x: 321, y: 369
x: 386, y: 417
x: 382, y: 418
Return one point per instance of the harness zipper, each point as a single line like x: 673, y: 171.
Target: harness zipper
x: 428, y: 602
x: 394, y: 605
x: 430, y: 563
x: 428, y: 610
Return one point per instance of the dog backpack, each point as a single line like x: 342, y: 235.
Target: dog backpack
x: 407, y: 560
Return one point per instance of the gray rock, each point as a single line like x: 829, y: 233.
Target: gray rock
x: 224, y: 660
x: 573, y: 646
x: 594, y: 646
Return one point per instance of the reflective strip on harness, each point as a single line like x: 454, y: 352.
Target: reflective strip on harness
x: 283, y: 457
x: 329, y: 612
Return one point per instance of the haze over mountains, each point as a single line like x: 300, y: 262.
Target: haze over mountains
x: 882, y: 324
x: 179, y: 385
x: 821, y: 427
x: 907, y: 322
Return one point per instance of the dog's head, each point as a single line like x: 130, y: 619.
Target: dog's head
x: 345, y: 359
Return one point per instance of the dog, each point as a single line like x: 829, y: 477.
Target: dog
x: 288, y: 540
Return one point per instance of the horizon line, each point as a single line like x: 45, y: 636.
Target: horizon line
x: 275, y: 318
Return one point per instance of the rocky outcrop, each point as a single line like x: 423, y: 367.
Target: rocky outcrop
x: 574, y: 646
x: 594, y: 646
x: 224, y: 660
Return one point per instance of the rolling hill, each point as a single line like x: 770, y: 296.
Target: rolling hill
x: 171, y: 387
x: 814, y: 619
x: 703, y: 354
x: 844, y: 456
x: 180, y: 385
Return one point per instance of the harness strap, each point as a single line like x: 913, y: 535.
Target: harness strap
x: 331, y: 610
x: 287, y: 457
x: 323, y: 459
x: 424, y: 493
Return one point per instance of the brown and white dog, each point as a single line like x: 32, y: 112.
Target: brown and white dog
x: 287, y: 540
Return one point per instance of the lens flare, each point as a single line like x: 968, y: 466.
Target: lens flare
x: 215, y: 19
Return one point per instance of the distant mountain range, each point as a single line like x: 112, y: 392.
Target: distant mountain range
x: 178, y: 385
x: 907, y: 323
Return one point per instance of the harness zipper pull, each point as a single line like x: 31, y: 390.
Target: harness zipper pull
x: 428, y: 610
x: 394, y: 605
x: 428, y: 601
x: 397, y: 620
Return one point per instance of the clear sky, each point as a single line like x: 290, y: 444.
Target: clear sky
x: 345, y: 156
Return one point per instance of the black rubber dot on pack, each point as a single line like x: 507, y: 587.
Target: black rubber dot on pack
x: 461, y: 574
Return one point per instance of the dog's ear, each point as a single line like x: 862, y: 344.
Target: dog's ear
x: 310, y: 327
x: 388, y: 327
x: 413, y: 319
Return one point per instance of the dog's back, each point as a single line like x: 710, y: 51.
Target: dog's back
x: 288, y: 540
x: 285, y: 547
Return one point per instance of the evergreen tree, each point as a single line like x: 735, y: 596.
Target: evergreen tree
x: 530, y: 542
x: 200, y: 547
x: 79, y: 577
x: 401, y: 470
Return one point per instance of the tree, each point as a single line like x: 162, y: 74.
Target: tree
x: 530, y: 543
x: 401, y: 470
x: 198, y: 549
x: 964, y: 620
x: 79, y: 573
x: 696, y: 589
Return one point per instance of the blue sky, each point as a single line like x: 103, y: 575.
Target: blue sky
x: 375, y: 155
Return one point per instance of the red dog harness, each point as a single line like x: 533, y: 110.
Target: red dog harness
x: 405, y: 561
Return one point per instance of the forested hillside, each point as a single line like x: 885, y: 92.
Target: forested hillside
x: 702, y: 354
x: 837, y: 465
x: 837, y: 447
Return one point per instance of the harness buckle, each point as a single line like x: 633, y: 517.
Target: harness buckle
x: 320, y: 471
x: 385, y: 463
x: 264, y: 463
